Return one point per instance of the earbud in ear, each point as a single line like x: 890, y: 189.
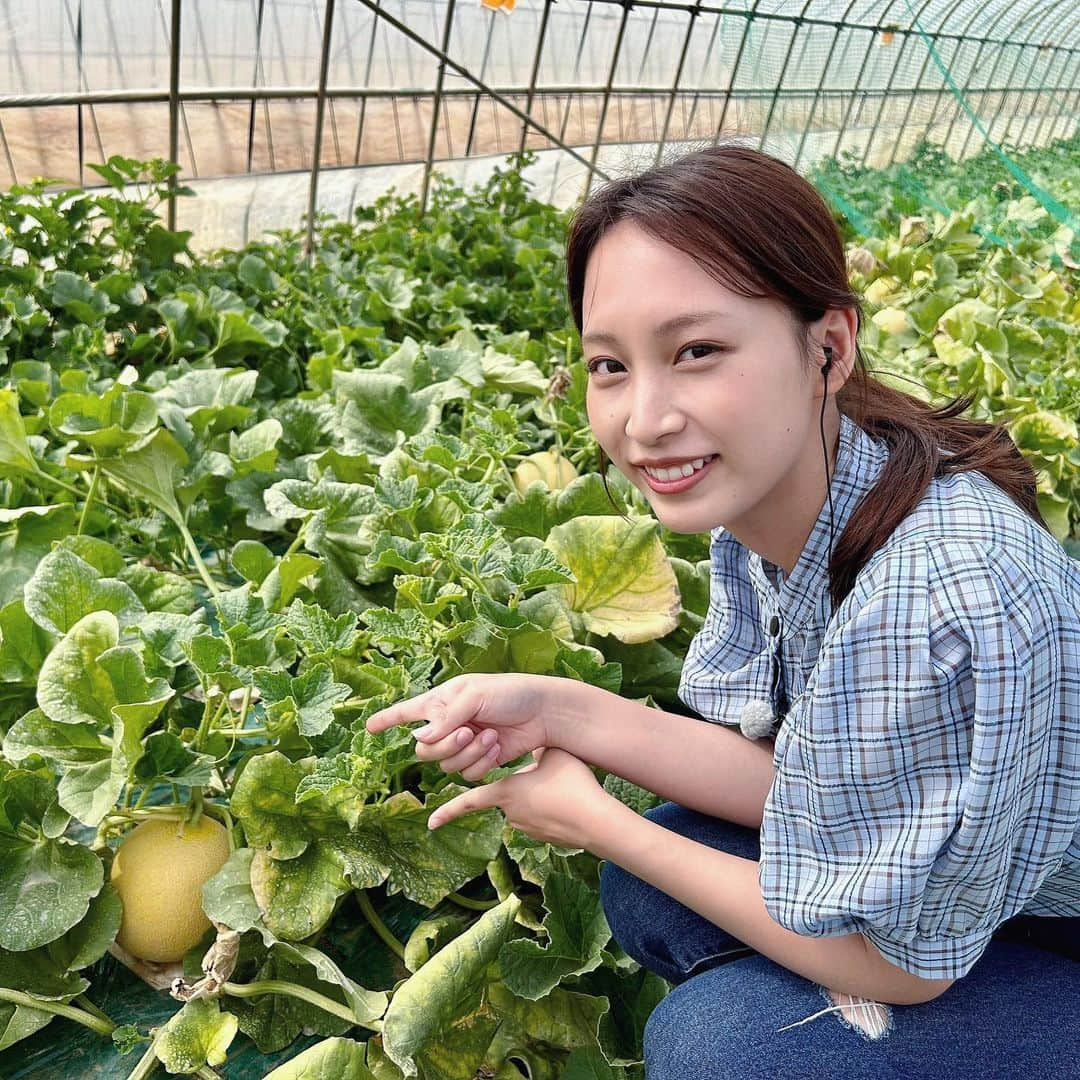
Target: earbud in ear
x: 825, y: 368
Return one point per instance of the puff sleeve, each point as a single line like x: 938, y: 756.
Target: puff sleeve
x: 928, y: 780
x: 728, y: 662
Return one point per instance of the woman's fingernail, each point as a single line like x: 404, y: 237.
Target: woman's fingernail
x: 463, y: 736
x: 488, y: 737
x: 422, y: 733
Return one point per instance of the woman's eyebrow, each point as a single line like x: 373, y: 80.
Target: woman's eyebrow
x: 679, y: 322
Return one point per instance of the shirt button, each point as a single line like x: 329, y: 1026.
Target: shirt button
x: 774, y: 625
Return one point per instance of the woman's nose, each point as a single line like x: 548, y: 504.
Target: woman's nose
x: 652, y: 416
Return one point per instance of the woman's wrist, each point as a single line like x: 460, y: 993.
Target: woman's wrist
x: 573, y: 701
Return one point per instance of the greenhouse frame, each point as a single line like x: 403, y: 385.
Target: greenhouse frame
x: 382, y: 92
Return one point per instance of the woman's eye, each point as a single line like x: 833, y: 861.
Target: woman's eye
x: 706, y: 350
x: 593, y: 366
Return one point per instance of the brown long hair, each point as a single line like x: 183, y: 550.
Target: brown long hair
x: 762, y: 230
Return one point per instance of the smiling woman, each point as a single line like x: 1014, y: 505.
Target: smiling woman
x: 920, y: 795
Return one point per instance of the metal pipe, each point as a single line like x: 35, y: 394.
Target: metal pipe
x: 780, y: 78
x: 492, y: 15
x: 675, y: 85
x: 260, y: 5
x: 975, y: 67
x: 447, y: 24
x: 535, y: 70
x: 330, y: 104
x: 749, y: 17
x: 876, y: 126
x: 705, y: 68
x: 174, y: 108
x: 607, y: 96
x: 320, y: 112
x: 993, y: 71
x: 293, y: 93
x: 363, y: 100
x: 502, y: 100
x: 1050, y: 33
x: 821, y: 84
x: 1068, y: 97
x: 919, y: 79
x: 577, y: 71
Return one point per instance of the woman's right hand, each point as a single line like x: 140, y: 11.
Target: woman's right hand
x: 477, y: 721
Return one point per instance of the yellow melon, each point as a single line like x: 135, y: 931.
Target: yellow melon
x: 159, y: 871
x: 556, y: 472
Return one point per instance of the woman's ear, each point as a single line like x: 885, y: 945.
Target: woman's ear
x: 838, y: 330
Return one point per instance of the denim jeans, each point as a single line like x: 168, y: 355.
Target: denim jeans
x: 1008, y: 1017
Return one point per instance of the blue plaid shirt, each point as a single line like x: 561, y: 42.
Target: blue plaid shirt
x: 927, y: 762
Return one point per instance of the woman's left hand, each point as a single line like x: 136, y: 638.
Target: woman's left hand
x: 555, y: 800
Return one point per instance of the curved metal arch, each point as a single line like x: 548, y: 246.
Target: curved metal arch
x: 1012, y: 72
x: 960, y: 43
x: 1019, y: 21
x: 821, y: 81
x: 780, y: 77
x: 971, y: 75
x: 1072, y: 54
x: 892, y: 77
x: 1039, y: 28
x: 747, y: 20
x: 983, y: 42
x: 851, y: 103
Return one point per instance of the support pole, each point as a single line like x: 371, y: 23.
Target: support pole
x: 320, y: 113
x: 174, y: 107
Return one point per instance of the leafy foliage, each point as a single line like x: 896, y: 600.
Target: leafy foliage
x: 248, y: 501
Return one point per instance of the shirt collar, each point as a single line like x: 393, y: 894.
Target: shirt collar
x: 803, y: 597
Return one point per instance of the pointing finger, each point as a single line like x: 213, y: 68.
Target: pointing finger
x: 422, y: 707
x: 469, y: 802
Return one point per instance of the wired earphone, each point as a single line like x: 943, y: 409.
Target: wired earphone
x: 758, y: 718
x: 825, y: 369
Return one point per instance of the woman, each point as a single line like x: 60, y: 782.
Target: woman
x: 869, y: 863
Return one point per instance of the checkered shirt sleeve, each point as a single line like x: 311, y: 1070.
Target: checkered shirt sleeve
x: 928, y: 780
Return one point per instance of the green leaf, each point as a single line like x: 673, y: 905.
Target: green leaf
x: 273, y: 1021
x: 577, y: 932
x: 227, y: 896
x: 256, y: 449
x: 332, y: 1059
x: 67, y: 744
x: 106, y: 422
x: 316, y: 694
x: 23, y: 645
x: 73, y: 687
x: 199, y: 1034
x: 318, y: 632
x: 152, y: 472
x: 36, y: 527
x: 45, y: 889
x: 450, y: 985
x: 296, y: 897
x: 85, y: 943
x: 391, y: 842
x: 64, y: 588
x: 14, y: 449
x: 33, y: 973
x: 625, y: 584
x: 378, y: 411
x: 264, y: 800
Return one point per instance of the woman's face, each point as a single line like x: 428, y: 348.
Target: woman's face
x: 733, y: 384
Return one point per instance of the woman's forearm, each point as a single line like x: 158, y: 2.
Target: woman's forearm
x: 706, y: 767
